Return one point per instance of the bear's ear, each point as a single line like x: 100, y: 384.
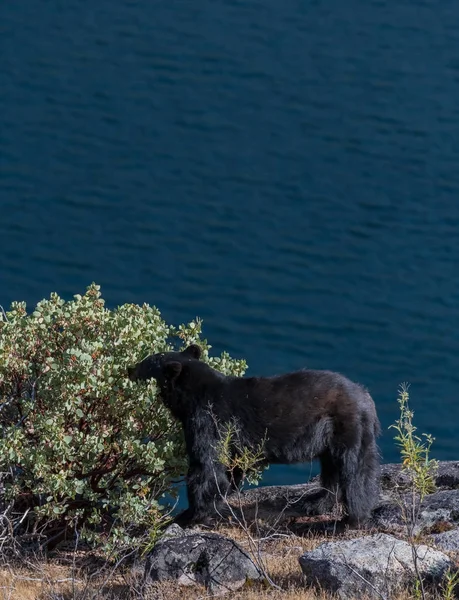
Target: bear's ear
x: 173, y: 369
x: 193, y: 351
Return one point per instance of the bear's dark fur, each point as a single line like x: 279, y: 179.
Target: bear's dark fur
x: 301, y: 416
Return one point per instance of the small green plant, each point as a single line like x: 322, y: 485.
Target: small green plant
x: 420, y: 468
x: 242, y: 462
x: 86, y: 447
x: 450, y: 584
x: 414, y: 450
x: 238, y: 458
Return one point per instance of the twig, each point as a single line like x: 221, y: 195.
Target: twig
x: 242, y: 522
x: 3, y: 313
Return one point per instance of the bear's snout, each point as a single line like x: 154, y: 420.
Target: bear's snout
x: 131, y: 373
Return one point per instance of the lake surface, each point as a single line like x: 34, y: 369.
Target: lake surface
x: 288, y: 171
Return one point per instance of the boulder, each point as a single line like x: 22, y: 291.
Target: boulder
x: 448, y: 540
x: 278, y: 502
x: 376, y: 565
x: 208, y: 559
x: 284, y: 502
x: 389, y: 517
x: 441, y: 507
x: 446, y: 477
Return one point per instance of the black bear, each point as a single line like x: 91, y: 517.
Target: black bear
x: 300, y: 416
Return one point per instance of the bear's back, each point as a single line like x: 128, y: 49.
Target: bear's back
x: 316, y: 392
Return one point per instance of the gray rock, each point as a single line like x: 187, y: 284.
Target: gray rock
x: 209, y: 559
x: 439, y: 507
x: 375, y: 565
x: 448, y: 540
x: 389, y: 517
x: 447, y: 474
x: 278, y: 502
x: 446, y: 477
x: 294, y: 501
x: 393, y: 476
x: 173, y: 531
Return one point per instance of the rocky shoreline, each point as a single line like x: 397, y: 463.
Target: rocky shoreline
x: 375, y: 562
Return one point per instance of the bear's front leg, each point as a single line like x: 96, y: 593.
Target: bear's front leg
x: 187, y: 519
x: 207, y: 480
x: 207, y: 489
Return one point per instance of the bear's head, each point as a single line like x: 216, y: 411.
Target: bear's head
x: 164, y: 367
x: 173, y: 372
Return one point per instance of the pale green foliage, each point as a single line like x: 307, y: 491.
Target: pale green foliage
x: 414, y: 450
x: 82, y: 441
x: 416, y: 462
x: 236, y: 456
x: 450, y: 584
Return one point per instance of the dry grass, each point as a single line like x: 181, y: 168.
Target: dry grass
x: 82, y: 576
x: 33, y: 581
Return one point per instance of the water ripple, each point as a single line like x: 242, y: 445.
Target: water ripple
x: 287, y: 172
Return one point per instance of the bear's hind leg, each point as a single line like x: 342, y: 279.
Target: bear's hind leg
x: 324, y: 500
x: 329, y: 477
x: 358, y: 482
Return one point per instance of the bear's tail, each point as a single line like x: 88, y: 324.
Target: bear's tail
x: 376, y: 423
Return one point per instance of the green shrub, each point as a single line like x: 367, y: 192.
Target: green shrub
x: 421, y: 470
x: 85, y: 446
x: 239, y: 458
x: 414, y: 451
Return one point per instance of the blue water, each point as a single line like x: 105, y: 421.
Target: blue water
x: 288, y: 171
